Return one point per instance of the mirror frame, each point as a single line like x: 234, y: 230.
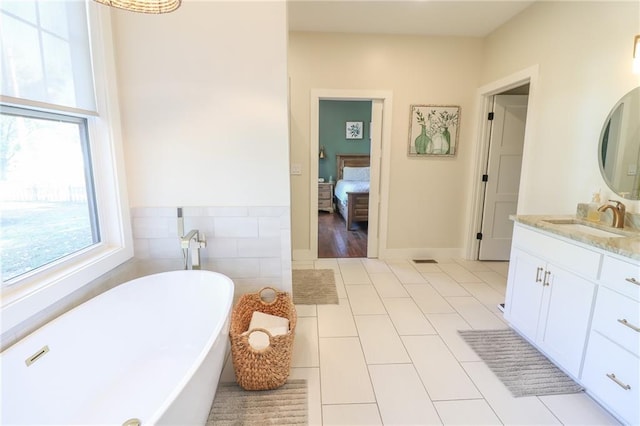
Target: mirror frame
x: 605, y: 137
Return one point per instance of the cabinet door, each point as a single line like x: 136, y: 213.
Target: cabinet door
x: 564, y: 318
x: 525, y: 288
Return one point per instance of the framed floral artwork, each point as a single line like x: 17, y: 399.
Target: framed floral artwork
x: 433, y: 130
x: 355, y: 129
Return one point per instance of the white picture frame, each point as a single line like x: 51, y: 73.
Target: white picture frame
x: 354, y: 129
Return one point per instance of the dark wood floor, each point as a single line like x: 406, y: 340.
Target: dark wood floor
x: 334, y: 241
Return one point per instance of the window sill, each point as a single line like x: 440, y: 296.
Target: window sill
x: 36, y: 293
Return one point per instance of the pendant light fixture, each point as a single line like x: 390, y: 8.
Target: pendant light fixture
x: 144, y: 6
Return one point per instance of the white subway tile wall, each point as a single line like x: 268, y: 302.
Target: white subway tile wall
x: 251, y: 245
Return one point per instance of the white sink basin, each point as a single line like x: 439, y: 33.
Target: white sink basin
x: 572, y: 226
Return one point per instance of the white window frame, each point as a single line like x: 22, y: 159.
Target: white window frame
x: 39, y: 290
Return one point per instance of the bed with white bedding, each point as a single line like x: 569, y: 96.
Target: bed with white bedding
x: 352, y: 188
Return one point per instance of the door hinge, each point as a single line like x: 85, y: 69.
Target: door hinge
x: 490, y: 117
x: 479, y: 236
x: 485, y: 178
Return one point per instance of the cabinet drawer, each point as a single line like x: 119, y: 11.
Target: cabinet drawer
x: 618, y: 318
x: 324, y: 204
x: 619, y: 276
x: 606, y: 358
x: 578, y: 259
x: 324, y: 195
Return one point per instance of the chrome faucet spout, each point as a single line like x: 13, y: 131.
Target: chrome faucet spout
x: 192, y: 260
x: 618, y: 211
x: 191, y: 235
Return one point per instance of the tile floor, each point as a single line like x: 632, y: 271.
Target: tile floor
x: 389, y: 353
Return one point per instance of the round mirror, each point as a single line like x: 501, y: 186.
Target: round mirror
x: 619, y: 150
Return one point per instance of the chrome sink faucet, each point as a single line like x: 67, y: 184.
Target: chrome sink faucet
x: 618, y: 213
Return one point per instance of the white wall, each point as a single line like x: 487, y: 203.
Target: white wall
x: 204, y: 104
x: 203, y: 92
x: 427, y: 196
x: 584, y: 52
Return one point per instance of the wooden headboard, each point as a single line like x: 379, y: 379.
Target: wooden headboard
x: 351, y: 160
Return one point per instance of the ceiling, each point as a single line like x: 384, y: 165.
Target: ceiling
x: 475, y: 18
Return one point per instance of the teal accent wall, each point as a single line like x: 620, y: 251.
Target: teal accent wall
x: 333, y: 118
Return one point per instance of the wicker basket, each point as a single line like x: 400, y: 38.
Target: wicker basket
x: 267, y: 368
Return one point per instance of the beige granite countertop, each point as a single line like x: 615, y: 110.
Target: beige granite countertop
x: 628, y: 245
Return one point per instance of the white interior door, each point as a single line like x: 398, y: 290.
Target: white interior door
x: 503, y: 175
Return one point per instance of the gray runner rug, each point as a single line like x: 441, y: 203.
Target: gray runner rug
x: 286, y: 405
x: 314, y: 287
x: 521, y: 367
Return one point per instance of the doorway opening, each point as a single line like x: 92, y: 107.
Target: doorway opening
x: 368, y: 212
x: 344, y: 133
x: 500, y: 154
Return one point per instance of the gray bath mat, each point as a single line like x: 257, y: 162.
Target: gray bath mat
x: 520, y: 366
x: 314, y: 287
x: 286, y: 405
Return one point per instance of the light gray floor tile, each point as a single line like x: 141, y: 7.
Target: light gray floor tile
x: 305, y: 343
x: 388, y: 285
x: 459, y: 273
x: 336, y: 320
x: 475, y: 313
x: 364, y: 300
x: 472, y: 265
x: 440, y: 371
x: 484, y: 293
x: 428, y: 299
x: 375, y: 266
x: 354, y: 273
x: 577, y: 409
x: 495, y: 280
x: 343, y: 373
x: 447, y: 326
x: 407, y: 273
x: 380, y: 341
x: 444, y: 284
x: 351, y: 415
x: 401, y: 396
x: 466, y: 412
x: 407, y: 317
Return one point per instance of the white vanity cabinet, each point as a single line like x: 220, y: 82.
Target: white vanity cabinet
x: 547, y: 300
x: 612, y: 361
x: 580, y: 305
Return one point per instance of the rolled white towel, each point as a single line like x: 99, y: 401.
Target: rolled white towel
x: 259, y: 340
x: 273, y: 324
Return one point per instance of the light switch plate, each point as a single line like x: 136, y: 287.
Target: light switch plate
x: 296, y: 169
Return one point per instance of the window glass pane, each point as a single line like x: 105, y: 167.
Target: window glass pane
x: 22, y: 66
x: 22, y: 9
x: 29, y: 72
x: 47, y: 201
x: 57, y: 60
x: 53, y: 17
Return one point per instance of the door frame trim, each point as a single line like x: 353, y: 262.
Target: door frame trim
x: 385, y: 158
x: 481, y: 149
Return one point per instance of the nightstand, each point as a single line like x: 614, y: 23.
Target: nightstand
x: 325, y: 196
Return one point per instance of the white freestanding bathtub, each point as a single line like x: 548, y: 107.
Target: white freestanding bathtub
x: 150, y: 349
